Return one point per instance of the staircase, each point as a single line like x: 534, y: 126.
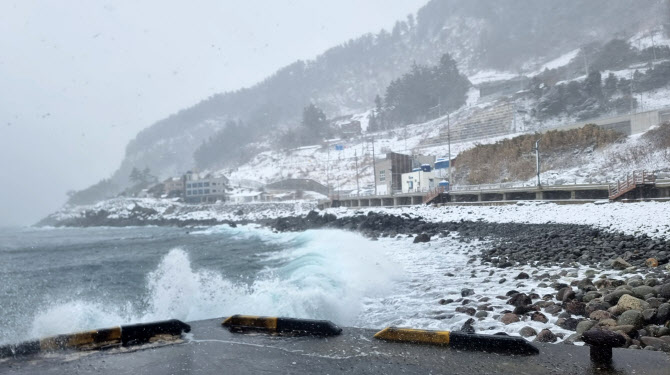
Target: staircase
x: 632, y: 182
x: 433, y: 194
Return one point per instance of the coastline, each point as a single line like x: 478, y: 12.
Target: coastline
x: 548, y: 282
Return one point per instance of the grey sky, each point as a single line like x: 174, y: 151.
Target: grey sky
x: 80, y: 78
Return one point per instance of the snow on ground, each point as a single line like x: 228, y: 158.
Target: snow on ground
x: 558, y: 62
x: 649, y: 38
x: 171, y: 209
x: 439, y: 270
x: 651, y: 218
x: 490, y: 75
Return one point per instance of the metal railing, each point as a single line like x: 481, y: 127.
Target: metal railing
x: 630, y: 183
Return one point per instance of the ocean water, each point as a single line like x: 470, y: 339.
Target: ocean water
x: 60, y: 280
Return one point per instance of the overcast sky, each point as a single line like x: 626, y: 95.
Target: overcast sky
x: 79, y: 79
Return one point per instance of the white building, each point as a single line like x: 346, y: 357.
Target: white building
x: 207, y: 189
x: 420, y: 180
x: 246, y: 196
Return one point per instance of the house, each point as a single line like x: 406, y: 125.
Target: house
x: 207, y: 189
x: 173, y: 186
x: 246, y: 196
x: 420, y: 179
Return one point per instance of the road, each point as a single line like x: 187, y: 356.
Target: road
x: 211, y: 349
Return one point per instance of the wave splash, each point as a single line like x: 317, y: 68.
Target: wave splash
x: 326, y: 274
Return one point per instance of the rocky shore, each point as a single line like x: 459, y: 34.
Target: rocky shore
x: 626, y: 289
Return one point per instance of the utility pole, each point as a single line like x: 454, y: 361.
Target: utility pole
x: 328, y: 172
x: 449, y: 148
x: 537, y: 160
x: 358, y: 188
x: 632, y: 98
x: 374, y: 167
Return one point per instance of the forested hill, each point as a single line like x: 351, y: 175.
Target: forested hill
x: 513, y: 35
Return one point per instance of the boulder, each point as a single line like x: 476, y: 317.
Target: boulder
x: 522, y: 276
x: 596, y: 305
x: 553, y: 309
x: 656, y: 343
x: 613, y: 298
x: 626, y: 328
x: 538, y: 317
x: 665, y: 290
x: 628, y: 302
x: 561, y: 293
x: 527, y: 332
x: 584, y: 326
x: 423, y: 237
x: 651, y: 263
x: 631, y: 317
x: 575, y: 307
x: 546, y: 336
x: 520, y: 299
x: 590, y: 296
x: 466, y: 310
x: 467, y: 326
x: 467, y: 292
x: 607, y: 323
x: 649, y: 315
x: 663, y: 313
x: 600, y: 315
x: 620, y: 264
x: 568, y: 323
x: 643, y: 290
x: 509, y: 318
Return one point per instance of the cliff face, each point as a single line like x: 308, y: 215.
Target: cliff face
x: 514, y: 35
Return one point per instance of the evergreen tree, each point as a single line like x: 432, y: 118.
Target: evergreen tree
x: 135, y: 175
x: 610, y: 86
x: 379, y: 112
x: 373, y: 124
x: 314, y: 124
x: 414, y: 96
x: 593, y: 85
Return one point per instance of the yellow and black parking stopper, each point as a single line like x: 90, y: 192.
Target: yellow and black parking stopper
x: 278, y: 325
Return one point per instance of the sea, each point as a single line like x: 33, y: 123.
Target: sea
x: 62, y: 280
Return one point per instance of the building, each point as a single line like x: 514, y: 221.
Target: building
x: 296, y: 184
x: 388, y: 178
x: 388, y: 172
x: 173, y: 186
x: 441, y: 168
x: 420, y: 179
x: 207, y: 189
x: 246, y: 196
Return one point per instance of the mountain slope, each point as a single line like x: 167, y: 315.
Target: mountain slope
x: 480, y: 35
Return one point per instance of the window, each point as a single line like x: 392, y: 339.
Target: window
x: 199, y: 184
x: 200, y: 191
x: 382, y: 175
x: 206, y: 184
x: 206, y: 191
x: 188, y: 185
